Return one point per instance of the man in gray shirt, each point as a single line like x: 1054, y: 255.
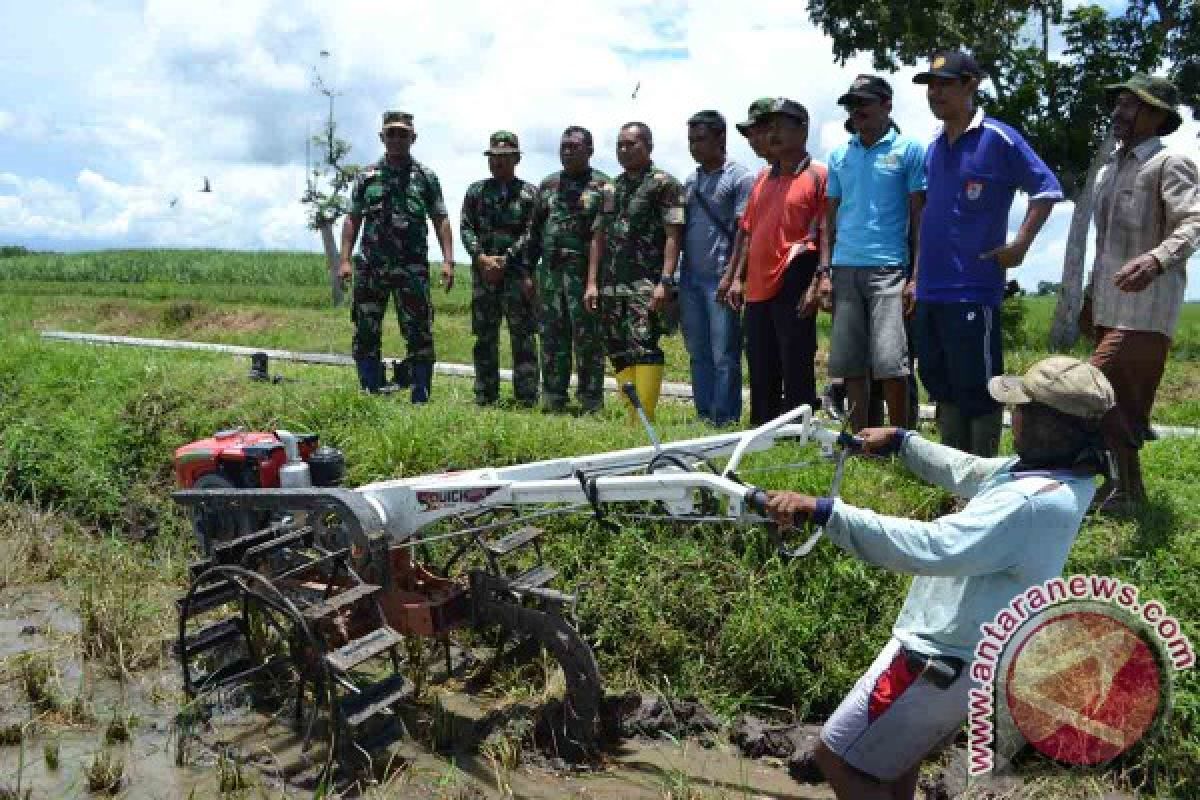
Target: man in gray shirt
x: 717, y: 193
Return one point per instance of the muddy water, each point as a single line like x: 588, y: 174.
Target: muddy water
x: 35, y: 619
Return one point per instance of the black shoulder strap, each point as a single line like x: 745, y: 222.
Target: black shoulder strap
x: 710, y: 213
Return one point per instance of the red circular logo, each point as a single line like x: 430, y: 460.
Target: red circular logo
x: 1083, y: 687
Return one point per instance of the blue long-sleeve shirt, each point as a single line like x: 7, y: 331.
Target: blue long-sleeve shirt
x: 1014, y: 532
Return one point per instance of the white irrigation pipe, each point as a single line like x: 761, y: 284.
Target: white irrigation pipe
x: 669, y: 389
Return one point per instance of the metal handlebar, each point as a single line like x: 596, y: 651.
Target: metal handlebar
x: 766, y: 429
x: 846, y: 443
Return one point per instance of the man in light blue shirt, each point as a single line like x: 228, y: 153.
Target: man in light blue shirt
x: 868, y: 255
x: 1015, y: 531
x: 717, y: 193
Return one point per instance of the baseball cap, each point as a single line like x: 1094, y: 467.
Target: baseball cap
x: 503, y: 143
x: 1153, y: 91
x: 1065, y: 384
x: 788, y: 108
x: 754, y: 113
x: 867, y: 87
x: 949, y: 64
x: 397, y: 119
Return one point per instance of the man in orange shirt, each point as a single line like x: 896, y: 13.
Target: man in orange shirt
x: 783, y: 222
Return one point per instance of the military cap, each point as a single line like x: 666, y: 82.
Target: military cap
x: 503, y: 143
x: 1153, y: 91
x: 397, y: 119
x: 867, y: 87
x: 754, y: 113
x: 787, y: 108
x: 1065, y: 384
x: 949, y: 64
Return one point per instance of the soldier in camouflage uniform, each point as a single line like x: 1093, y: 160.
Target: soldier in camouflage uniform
x: 495, y: 214
x: 559, y: 244
x: 390, y: 202
x: 641, y: 228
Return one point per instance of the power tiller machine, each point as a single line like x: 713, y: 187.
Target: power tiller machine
x: 310, y: 596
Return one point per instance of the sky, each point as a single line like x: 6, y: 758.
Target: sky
x: 113, y: 113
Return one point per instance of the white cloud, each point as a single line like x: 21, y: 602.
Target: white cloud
x: 120, y: 107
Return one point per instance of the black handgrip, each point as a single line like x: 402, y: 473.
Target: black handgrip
x: 848, y: 441
x: 630, y: 392
x: 757, y: 499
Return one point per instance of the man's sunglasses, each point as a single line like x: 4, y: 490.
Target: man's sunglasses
x: 397, y: 133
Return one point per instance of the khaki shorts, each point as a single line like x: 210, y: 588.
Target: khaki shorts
x: 892, y: 718
x: 868, y: 335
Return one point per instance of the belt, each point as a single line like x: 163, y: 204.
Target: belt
x: 941, y: 671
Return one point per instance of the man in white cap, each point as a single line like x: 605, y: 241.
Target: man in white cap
x: 1015, y: 531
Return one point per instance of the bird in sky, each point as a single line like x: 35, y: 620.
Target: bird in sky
x: 635, y: 91
x: 174, y: 202
x: 207, y: 186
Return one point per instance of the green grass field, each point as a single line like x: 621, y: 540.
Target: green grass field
x: 711, y: 612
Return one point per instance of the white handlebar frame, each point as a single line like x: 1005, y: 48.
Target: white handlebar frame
x: 408, y: 505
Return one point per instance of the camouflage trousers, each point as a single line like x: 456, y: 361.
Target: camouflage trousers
x: 490, y: 304
x: 408, y: 287
x: 565, y: 322
x: 631, y: 329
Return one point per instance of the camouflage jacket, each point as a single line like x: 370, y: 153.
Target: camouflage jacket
x: 393, y: 205
x: 563, y: 217
x: 635, y: 219
x: 495, y: 217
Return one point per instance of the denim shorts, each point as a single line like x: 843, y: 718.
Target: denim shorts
x: 868, y: 323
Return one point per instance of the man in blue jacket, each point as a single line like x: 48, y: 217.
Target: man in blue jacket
x: 1015, y: 531
x: 974, y: 167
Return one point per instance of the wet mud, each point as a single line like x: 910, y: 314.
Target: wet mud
x: 654, y: 748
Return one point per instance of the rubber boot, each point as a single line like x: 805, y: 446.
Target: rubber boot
x: 1130, y: 490
x: 624, y: 376
x: 370, y: 374
x: 259, y: 369
x: 422, y: 381
x: 952, y: 428
x: 648, y: 380
x: 985, y: 433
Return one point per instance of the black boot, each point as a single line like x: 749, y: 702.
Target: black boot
x: 422, y: 380
x: 955, y: 430
x: 401, y: 374
x: 370, y: 374
x: 259, y: 369
x: 985, y: 431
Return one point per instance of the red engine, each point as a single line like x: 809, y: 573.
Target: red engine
x: 249, y: 460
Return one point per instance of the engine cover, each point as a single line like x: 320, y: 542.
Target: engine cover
x: 247, y: 459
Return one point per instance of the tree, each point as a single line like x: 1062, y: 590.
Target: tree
x: 1047, y: 74
x: 329, y: 178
